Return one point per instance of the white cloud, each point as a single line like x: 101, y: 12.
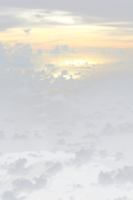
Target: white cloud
x: 43, y: 113
x: 53, y: 168
x: 103, y: 154
x: 90, y: 137
x: 108, y: 131
x: 104, y: 179
x: 21, y: 137
x: 126, y: 128
x: 82, y: 157
x: 64, y: 134
x: 18, y: 168
x: 118, y: 156
x: 90, y: 125
x: 58, y: 124
x: 61, y: 142
x: 36, y: 135
x: 2, y: 135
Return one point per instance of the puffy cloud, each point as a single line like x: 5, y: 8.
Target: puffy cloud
x: 44, y: 103
x: 126, y: 128
x: 90, y: 137
x: 9, y: 195
x: 111, y: 109
x: 120, y: 176
x: 58, y: 124
x: 90, y: 125
x: 25, y: 185
x: 121, y: 198
x: 21, y: 137
x: 118, y: 156
x: 105, y: 179
x: 27, y: 132
x: 77, y: 117
x: 82, y: 157
x: 97, y: 115
x: 77, y: 186
x: 2, y: 135
x: 18, y: 167
x: 54, y: 168
x: 103, y: 154
x: 43, y: 113
x: 61, y: 142
x: 120, y: 117
x: 64, y: 134
x: 56, y: 50
x: 36, y: 135
x: 33, y: 155
x: 108, y: 131
x: 74, y: 145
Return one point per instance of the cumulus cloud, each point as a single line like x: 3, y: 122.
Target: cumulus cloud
x: 105, y: 179
x: 36, y: 135
x: 44, y: 103
x: 126, y: 128
x: 61, y: 49
x: 90, y: 125
x: 25, y: 185
x: 21, y: 137
x: 120, y: 117
x: 54, y: 169
x: 108, y: 131
x: 103, y: 154
x: 77, y: 186
x: 120, y: 176
x: 43, y: 113
x: 90, y: 137
x: 33, y: 155
x: 18, y: 167
x: 61, y: 142
x: 97, y: 115
x: 64, y: 134
x: 58, y: 124
x: 118, y: 156
x: 83, y: 156
x: 2, y: 136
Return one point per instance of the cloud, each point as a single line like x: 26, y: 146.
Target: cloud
x: 2, y: 136
x: 20, y: 137
x: 25, y: 185
x: 118, y: 156
x: 97, y: 115
x: 90, y: 125
x: 83, y: 156
x: 125, y: 128
x: 37, y: 136
x: 18, y: 167
x: 77, y: 186
x: 43, y: 113
x: 64, y: 134
x: 44, y: 103
x: 58, y: 124
x: 120, y: 117
x: 56, y: 50
x: 59, y: 49
x: 54, y: 169
x: 105, y: 179
x: 90, y: 137
x: 61, y: 142
x: 121, y: 176
x: 103, y: 154
x: 9, y: 195
x: 108, y: 131
x: 33, y: 155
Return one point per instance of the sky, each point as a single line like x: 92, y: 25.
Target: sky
x: 66, y: 101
